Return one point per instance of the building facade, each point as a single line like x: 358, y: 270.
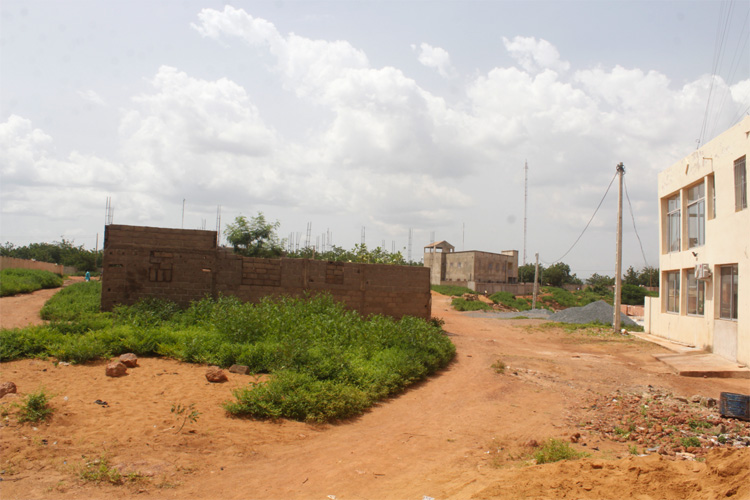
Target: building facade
x: 704, y: 228
x: 480, y: 271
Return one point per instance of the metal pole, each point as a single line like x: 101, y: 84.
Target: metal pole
x: 536, y: 281
x: 618, y: 255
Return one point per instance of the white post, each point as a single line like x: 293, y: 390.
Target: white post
x: 618, y: 255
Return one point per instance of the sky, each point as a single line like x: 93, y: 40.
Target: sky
x: 363, y: 118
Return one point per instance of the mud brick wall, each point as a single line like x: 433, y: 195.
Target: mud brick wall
x: 186, y: 265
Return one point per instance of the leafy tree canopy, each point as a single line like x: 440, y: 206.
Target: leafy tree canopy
x: 559, y: 274
x: 254, y: 237
x: 63, y: 252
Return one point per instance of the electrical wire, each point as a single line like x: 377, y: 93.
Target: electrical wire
x: 589, y: 222
x: 718, y: 55
x: 633, y: 218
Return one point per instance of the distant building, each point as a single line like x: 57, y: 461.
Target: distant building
x: 704, y: 227
x: 480, y: 271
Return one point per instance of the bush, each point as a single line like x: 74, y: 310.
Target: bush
x: 78, y: 301
x: 510, y: 300
x: 460, y: 304
x: 15, y: 281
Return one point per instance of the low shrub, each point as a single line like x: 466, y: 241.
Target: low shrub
x: 14, y: 281
x: 35, y: 407
x: 460, y: 304
x: 510, y: 300
x: 554, y: 450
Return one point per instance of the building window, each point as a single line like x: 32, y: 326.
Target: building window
x: 712, y: 188
x: 673, y: 224
x: 696, y: 212
x: 740, y: 185
x: 728, y: 292
x: 696, y: 294
x: 673, y: 291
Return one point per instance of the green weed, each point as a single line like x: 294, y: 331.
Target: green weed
x: 185, y: 413
x: 452, y: 290
x: 98, y: 470
x: 35, y: 407
x: 499, y: 366
x: 554, y: 450
x: 693, y: 441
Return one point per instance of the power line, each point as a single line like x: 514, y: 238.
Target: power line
x: 634, y: 228
x: 589, y: 222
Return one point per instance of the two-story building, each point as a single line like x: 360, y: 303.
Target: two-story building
x: 704, y: 227
x: 480, y: 271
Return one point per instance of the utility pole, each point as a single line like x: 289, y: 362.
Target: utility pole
x: 525, y: 205
x: 536, y: 281
x: 618, y: 254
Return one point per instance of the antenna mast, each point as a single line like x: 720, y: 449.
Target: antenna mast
x: 525, y: 205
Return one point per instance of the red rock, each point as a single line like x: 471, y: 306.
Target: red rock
x: 7, y: 388
x: 116, y: 369
x: 214, y: 374
x: 130, y: 360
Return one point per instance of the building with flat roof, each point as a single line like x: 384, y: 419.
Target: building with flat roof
x: 704, y: 261
x: 479, y: 271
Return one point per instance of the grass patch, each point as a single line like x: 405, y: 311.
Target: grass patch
x: 691, y: 441
x: 509, y: 300
x: 15, y: 281
x: 461, y: 304
x: 499, y: 366
x: 554, y: 450
x: 35, y: 407
x: 326, y: 362
x: 452, y: 290
x: 74, y: 302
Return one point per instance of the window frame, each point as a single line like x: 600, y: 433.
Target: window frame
x: 696, y: 209
x: 729, y: 294
x: 672, y: 283
x: 740, y: 184
x: 674, y: 222
x: 695, y: 288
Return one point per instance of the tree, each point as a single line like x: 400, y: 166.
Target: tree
x: 598, y: 280
x: 631, y: 277
x: 526, y: 273
x: 558, y: 275
x: 254, y: 237
x: 648, y: 276
x: 633, y: 294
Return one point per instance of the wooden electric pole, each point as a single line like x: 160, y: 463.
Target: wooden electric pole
x: 618, y: 256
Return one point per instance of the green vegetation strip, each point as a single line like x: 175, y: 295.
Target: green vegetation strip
x: 15, y: 281
x: 327, y: 363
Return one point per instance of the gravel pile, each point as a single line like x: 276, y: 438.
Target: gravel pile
x: 532, y: 314
x: 598, y: 311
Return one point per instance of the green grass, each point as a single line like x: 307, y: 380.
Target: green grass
x: 554, y: 450
x: 326, y: 362
x: 74, y: 302
x: 460, y: 304
x: 510, y: 300
x: 15, y: 281
x: 452, y: 290
x: 35, y: 407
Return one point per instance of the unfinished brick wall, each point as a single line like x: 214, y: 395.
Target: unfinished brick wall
x: 186, y: 265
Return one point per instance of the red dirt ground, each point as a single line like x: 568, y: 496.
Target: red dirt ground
x: 463, y: 433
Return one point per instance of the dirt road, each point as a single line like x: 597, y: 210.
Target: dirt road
x: 463, y: 433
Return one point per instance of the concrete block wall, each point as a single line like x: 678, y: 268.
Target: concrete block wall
x: 186, y: 265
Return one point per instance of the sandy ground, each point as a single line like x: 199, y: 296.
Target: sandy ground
x: 461, y: 434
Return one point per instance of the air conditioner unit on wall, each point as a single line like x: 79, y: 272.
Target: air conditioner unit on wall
x: 702, y: 271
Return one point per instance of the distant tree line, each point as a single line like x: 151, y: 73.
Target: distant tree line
x: 63, y: 252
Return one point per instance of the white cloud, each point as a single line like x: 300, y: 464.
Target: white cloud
x: 435, y: 57
x: 92, y: 97
x: 535, y: 55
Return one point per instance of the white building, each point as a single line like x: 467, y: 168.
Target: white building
x: 704, y: 227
